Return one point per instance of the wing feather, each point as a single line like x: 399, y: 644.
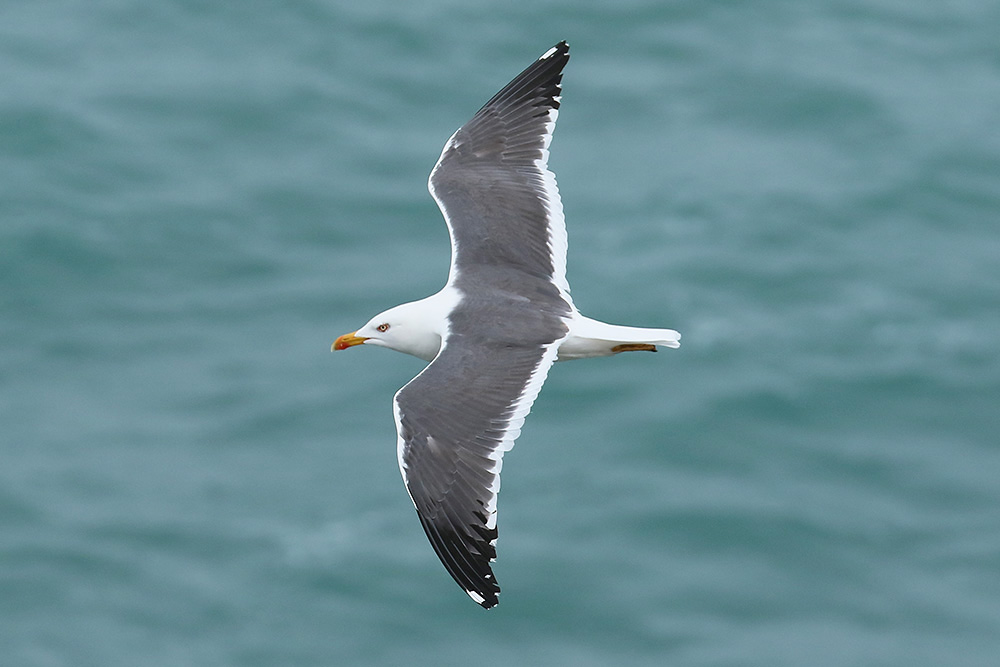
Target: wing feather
x: 493, y: 185
x: 456, y: 419
x: 454, y: 427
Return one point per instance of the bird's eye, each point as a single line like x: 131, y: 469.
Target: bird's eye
x: 382, y: 327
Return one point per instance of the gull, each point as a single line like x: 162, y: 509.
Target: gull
x: 491, y: 334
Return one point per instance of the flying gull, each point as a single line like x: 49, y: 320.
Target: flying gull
x: 491, y: 334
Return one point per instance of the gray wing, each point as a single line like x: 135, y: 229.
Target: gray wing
x: 494, y: 187
x: 457, y: 418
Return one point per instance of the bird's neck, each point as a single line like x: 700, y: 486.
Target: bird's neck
x: 429, y: 324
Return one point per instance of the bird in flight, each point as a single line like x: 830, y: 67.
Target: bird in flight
x: 494, y: 330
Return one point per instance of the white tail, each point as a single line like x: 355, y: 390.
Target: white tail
x: 591, y: 338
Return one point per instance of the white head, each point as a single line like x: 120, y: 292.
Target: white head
x: 413, y: 328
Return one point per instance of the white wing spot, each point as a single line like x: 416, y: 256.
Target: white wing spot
x: 548, y: 53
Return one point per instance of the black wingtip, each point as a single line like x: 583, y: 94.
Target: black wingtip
x: 540, y: 81
x: 488, y: 602
x: 561, y: 49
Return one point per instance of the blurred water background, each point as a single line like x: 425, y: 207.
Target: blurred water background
x: 197, y: 197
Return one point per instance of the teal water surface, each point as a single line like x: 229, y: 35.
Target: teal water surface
x: 197, y: 198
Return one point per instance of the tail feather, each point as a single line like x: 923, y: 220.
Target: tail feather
x: 592, y: 338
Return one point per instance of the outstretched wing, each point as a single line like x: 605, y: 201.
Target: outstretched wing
x: 493, y: 184
x: 456, y: 419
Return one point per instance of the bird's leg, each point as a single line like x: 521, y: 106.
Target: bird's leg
x: 633, y: 347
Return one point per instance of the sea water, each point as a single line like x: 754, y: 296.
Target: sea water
x: 196, y: 198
